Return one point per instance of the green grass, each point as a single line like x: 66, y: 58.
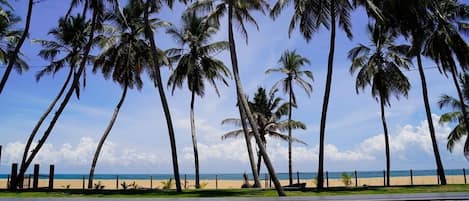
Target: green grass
x: 237, y: 192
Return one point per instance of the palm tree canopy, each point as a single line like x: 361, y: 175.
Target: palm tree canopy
x: 267, y: 111
x: 196, y: 60
x: 9, y: 36
x: 379, y: 65
x: 290, y: 64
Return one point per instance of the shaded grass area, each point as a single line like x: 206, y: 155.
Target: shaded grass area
x: 236, y: 192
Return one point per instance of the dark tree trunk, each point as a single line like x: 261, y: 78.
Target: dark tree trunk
x: 244, y: 103
x: 164, y: 102
x: 12, y: 57
x: 386, y: 142
x: 104, y: 137
x: 436, y: 152
x: 290, y: 171
x: 325, y: 104
x: 194, y: 143
x: 454, y: 74
x: 255, y: 173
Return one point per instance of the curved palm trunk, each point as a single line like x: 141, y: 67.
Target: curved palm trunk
x: 164, y: 102
x: 454, y: 74
x: 290, y: 171
x: 65, y: 101
x: 244, y: 103
x: 386, y: 142
x: 325, y: 104
x: 104, y: 137
x: 194, y: 143
x: 439, y: 164
x: 12, y: 57
x: 259, y: 158
x: 41, y: 120
x: 255, y: 174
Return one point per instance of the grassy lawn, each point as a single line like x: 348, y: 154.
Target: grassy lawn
x: 237, y: 192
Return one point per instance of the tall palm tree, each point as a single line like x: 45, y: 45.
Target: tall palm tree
x: 13, y: 55
x: 291, y: 64
x: 98, y: 10
x: 445, y: 45
x: 197, y: 65
x: 456, y: 115
x: 125, y: 54
x: 413, y: 20
x: 379, y: 66
x: 69, y: 39
x: 310, y: 16
x: 155, y: 74
x: 239, y: 12
x: 268, y: 112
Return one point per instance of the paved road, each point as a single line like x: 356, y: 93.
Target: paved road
x: 394, y: 197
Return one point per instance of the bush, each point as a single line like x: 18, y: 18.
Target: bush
x: 167, y: 184
x: 98, y: 186
x: 346, y: 179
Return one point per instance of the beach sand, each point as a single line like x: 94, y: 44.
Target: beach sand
x: 234, y: 184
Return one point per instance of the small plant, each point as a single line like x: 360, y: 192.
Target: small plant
x: 167, y: 184
x: 124, y: 185
x: 134, y: 185
x: 66, y: 186
x: 203, y: 185
x: 98, y: 186
x: 346, y: 179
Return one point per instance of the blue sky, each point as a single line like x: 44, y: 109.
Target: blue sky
x: 139, y: 142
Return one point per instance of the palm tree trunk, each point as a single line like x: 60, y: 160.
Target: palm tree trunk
x: 454, y: 74
x: 244, y: 104
x: 66, y: 99
x: 386, y: 142
x: 12, y: 57
x: 104, y: 137
x: 259, y: 162
x: 325, y: 104
x: 41, y: 120
x: 439, y: 164
x: 255, y: 173
x: 290, y: 172
x: 194, y: 143
x: 164, y: 102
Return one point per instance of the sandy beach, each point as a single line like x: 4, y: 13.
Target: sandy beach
x: 233, y: 184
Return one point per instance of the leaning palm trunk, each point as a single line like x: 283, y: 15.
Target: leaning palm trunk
x: 12, y: 57
x: 255, y: 174
x: 41, y: 120
x: 65, y: 101
x: 244, y: 103
x: 194, y: 144
x: 439, y: 164
x: 104, y: 137
x: 386, y: 142
x: 330, y: 63
x: 290, y: 171
x: 454, y: 74
x: 159, y: 84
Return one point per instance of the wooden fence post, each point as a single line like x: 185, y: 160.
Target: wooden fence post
x: 411, y: 177
x: 151, y: 182
x: 327, y: 179
x: 464, y: 173
x: 29, y: 181
x: 265, y: 181
x: 8, y: 182
x: 14, y: 176
x: 83, y: 183
x: 356, y: 179
x: 36, y: 176
x: 216, y: 182
x: 384, y: 177
x: 117, y: 182
x: 185, y: 181
x: 51, y: 177
x: 297, y: 177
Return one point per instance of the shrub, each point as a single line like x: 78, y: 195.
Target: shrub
x: 167, y: 184
x: 98, y: 186
x: 346, y: 179
x: 124, y: 185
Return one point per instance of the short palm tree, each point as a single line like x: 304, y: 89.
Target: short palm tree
x: 125, y: 54
x: 197, y: 65
x: 268, y: 112
x: 379, y: 66
x: 455, y: 116
x: 290, y: 65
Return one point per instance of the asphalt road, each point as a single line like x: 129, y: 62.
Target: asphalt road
x: 397, y: 197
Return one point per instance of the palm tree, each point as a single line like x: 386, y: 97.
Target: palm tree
x: 445, y: 43
x: 124, y: 56
x: 413, y: 20
x: 291, y: 64
x: 155, y: 74
x: 455, y: 116
x: 98, y: 8
x: 310, y: 16
x: 13, y: 55
x: 239, y: 12
x: 379, y: 66
x: 197, y: 64
x: 267, y: 112
x: 69, y: 39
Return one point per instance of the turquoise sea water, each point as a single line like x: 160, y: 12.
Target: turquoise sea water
x: 239, y: 176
